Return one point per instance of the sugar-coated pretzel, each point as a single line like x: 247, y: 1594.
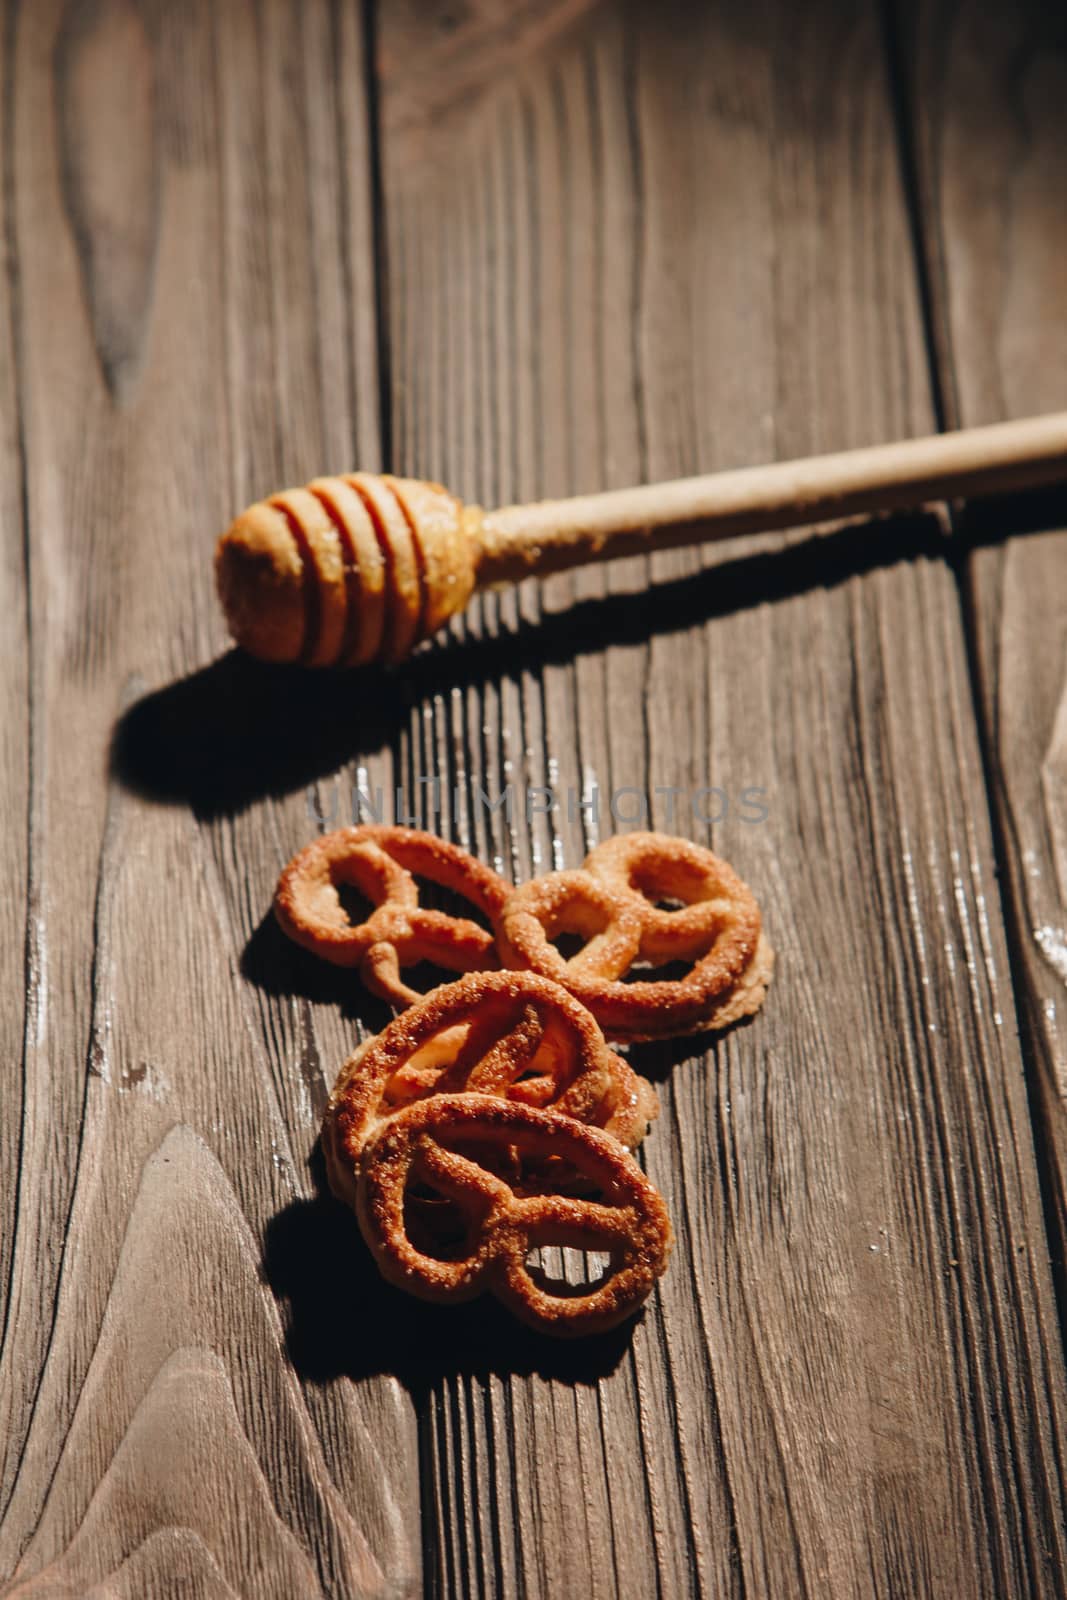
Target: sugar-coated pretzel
x: 380, y: 862
x: 512, y: 1034
x: 449, y: 1144
x: 610, y: 903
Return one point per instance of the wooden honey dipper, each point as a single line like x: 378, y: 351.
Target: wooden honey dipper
x: 361, y: 568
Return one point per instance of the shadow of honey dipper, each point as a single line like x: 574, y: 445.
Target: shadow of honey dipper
x: 361, y: 568
x: 239, y: 729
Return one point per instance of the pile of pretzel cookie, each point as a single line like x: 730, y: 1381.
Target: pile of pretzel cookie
x: 491, y: 1119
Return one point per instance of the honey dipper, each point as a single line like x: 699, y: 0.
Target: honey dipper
x: 361, y: 568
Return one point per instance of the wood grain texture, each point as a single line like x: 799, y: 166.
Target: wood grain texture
x: 188, y: 261
x: 19, y: 994
x: 621, y: 242
x: 651, y: 242
x: 990, y: 97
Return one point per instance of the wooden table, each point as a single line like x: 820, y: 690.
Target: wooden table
x: 532, y: 249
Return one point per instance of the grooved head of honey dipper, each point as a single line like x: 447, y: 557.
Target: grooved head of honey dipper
x: 351, y: 570
x: 260, y: 578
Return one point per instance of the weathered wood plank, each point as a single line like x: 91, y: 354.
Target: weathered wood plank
x: 656, y: 240
x: 18, y: 989
x: 989, y: 90
x: 189, y: 292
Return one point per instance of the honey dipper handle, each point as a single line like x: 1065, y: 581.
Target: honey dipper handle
x: 552, y: 535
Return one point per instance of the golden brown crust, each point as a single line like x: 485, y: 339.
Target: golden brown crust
x: 365, y: 594
x: 349, y: 570
x: 611, y: 902
x: 403, y: 579
x: 450, y: 1145
x: 259, y: 572
x: 512, y: 1034
x: 381, y: 862
x: 445, y: 549
x: 320, y: 547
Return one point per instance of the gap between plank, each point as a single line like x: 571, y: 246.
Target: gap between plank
x: 379, y: 239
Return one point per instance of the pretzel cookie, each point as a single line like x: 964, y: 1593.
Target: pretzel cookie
x: 514, y: 1035
x: 380, y: 862
x: 642, y: 901
x: 450, y: 1145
